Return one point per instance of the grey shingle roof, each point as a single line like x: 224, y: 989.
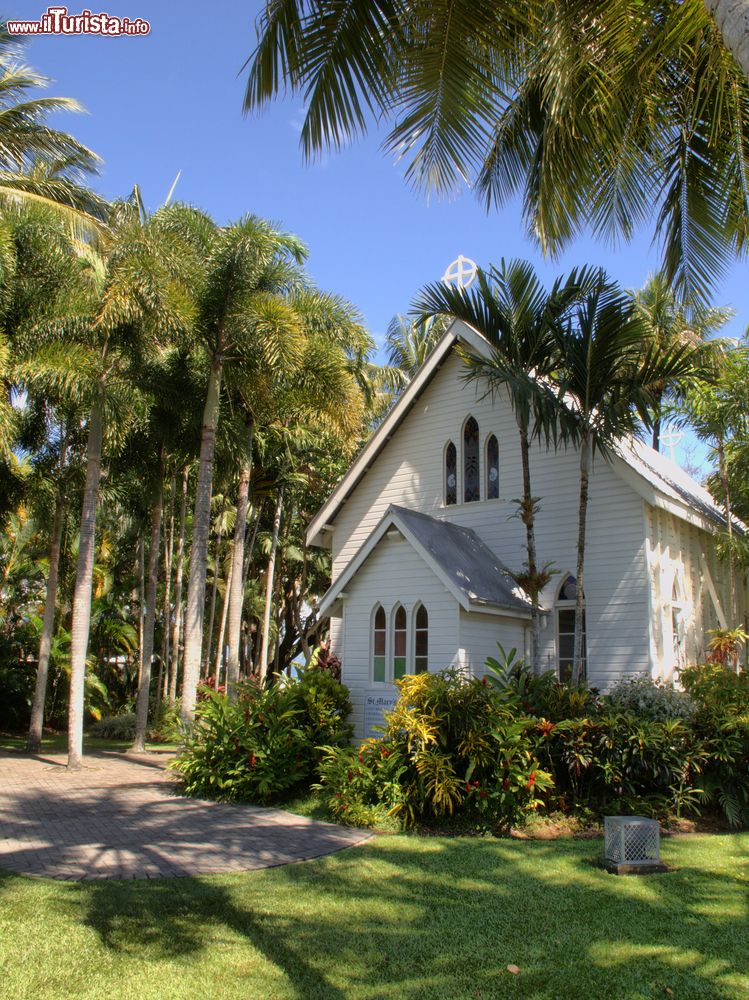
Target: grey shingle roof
x: 672, y: 480
x: 465, y: 560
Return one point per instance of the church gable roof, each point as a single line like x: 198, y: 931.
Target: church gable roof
x: 659, y: 481
x: 465, y: 565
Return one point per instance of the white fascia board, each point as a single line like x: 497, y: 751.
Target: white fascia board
x: 319, y: 530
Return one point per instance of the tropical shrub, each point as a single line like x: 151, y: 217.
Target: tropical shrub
x: 266, y: 743
x: 621, y: 763
x: 716, y: 689
x: 450, y: 745
x: 545, y: 695
x: 649, y: 699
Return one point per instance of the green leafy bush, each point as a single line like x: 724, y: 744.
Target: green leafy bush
x: 265, y: 744
x: 716, y: 688
x: 621, y: 763
x: 649, y: 699
x: 451, y: 745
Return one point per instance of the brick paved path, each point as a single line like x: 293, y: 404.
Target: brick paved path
x: 118, y: 818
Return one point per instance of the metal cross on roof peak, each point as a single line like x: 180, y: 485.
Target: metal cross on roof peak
x: 461, y: 272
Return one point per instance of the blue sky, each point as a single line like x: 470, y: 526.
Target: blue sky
x: 172, y: 101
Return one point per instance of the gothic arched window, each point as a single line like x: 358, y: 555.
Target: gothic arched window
x: 421, y: 640
x: 492, y: 468
x: 451, y: 474
x: 471, y: 464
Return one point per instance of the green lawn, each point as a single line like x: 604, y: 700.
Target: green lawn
x: 59, y: 744
x: 401, y: 917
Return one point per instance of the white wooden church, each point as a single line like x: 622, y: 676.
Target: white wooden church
x: 423, y: 538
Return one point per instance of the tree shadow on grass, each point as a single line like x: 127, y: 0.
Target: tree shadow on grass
x: 408, y: 918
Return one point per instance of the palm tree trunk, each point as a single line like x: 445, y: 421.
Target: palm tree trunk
x: 195, y: 611
x: 728, y: 514
x: 222, y: 626
x: 144, y: 690
x: 236, y: 594
x: 214, y: 589
x: 732, y: 17
x: 34, y: 740
x: 178, y: 573
x: 263, y: 668
x: 161, y: 687
x: 528, y: 516
x: 81, y: 621
x: 141, y: 600
x: 578, y: 666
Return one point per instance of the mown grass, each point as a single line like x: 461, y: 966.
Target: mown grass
x: 59, y: 744
x: 401, y: 917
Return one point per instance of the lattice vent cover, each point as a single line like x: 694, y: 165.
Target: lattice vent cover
x: 632, y: 840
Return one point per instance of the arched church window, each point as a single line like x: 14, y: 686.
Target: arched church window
x: 379, y: 638
x: 471, y: 464
x: 400, y: 629
x: 451, y: 474
x: 492, y: 468
x: 421, y: 640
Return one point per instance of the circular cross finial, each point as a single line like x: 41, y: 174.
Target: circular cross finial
x: 671, y: 438
x: 461, y: 273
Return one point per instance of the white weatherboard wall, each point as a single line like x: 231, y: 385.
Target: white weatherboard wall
x: 682, y: 553
x: 479, y: 635
x: 394, y: 573
x: 409, y: 471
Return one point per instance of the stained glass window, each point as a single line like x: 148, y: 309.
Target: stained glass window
x: 399, y: 643
x: 492, y: 468
x: 471, y: 480
x: 451, y: 474
x: 421, y: 641
x: 379, y: 633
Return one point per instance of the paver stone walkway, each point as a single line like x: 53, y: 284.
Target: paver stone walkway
x: 119, y: 818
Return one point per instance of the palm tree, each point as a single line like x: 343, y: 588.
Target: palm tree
x: 607, y: 389
x: 519, y: 317
x: 732, y: 17
x: 40, y: 165
x: 409, y: 343
x: 602, y: 115
x: 138, y: 280
x: 716, y: 410
x: 249, y: 267
x: 666, y: 325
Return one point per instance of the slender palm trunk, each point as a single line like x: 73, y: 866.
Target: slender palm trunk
x: 214, y: 589
x: 81, y: 622
x: 34, y: 741
x: 144, y: 690
x: 161, y: 687
x: 578, y: 666
x: 732, y: 17
x: 263, y: 667
x: 178, y: 574
x: 236, y: 594
x: 222, y: 627
x: 529, y: 519
x: 195, y: 611
x: 728, y: 514
x: 141, y: 600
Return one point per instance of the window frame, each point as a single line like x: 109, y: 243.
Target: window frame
x: 487, y: 467
x: 565, y: 604
x: 373, y: 640
x: 447, y: 502
x: 463, y: 463
x: 419, y: 606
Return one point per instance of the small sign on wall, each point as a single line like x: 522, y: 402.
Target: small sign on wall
x: 376, y: 704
